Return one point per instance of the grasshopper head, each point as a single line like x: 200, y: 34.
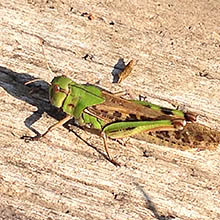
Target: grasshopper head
x: 59, y: 90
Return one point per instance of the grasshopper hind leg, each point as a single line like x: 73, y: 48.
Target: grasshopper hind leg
x: 103, y: 135
x: 105, y: 144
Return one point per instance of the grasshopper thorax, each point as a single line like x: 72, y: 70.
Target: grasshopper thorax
x: 59, y: 90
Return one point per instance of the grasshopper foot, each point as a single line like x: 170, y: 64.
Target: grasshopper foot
x: 114, y: 162
x: 29, y: 138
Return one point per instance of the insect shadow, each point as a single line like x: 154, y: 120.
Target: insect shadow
x: 35, y: 94
x: 118, y: 68
x: 150, y: 205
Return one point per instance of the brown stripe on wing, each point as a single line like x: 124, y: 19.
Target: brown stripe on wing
x: 116, y: 108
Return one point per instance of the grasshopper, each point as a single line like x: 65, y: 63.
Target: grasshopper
x: 109, y: 115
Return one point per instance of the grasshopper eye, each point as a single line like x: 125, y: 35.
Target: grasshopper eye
x: 56, y: 88
x: 56, y: 95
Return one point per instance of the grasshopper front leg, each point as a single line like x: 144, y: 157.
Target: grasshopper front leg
x: 54, y: 126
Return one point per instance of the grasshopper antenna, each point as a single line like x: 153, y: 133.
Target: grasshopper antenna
x: 42, y: 42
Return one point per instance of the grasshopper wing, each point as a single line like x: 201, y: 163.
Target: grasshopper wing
x: 115, y: 108
x: 193, y: 136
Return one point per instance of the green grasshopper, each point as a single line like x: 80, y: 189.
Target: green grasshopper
x: 110, y: 115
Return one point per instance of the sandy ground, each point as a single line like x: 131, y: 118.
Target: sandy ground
x: 66, y: 176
